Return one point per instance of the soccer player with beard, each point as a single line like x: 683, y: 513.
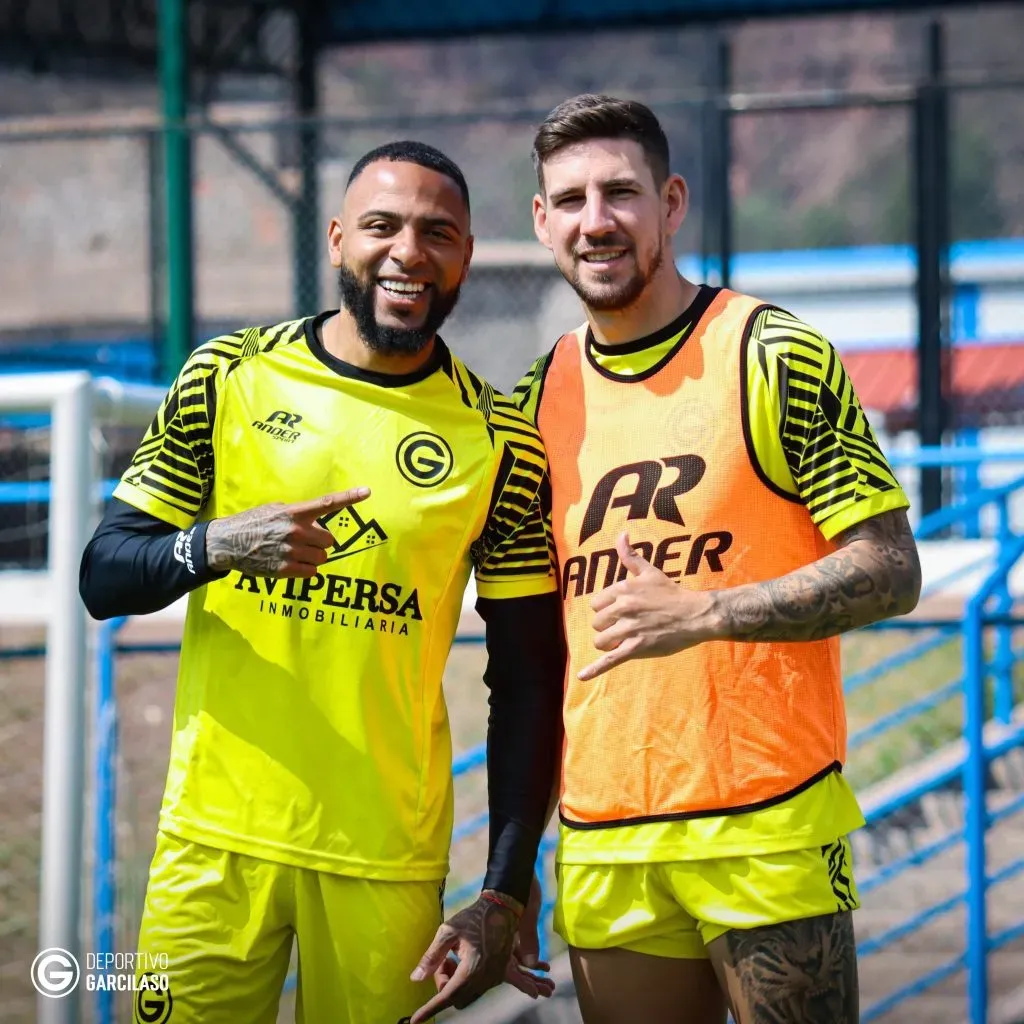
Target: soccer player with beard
x: 322, y: 489
x: 703, y: 857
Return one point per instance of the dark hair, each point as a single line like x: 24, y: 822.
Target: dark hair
x: 409, y: 152
x: 591, y: 116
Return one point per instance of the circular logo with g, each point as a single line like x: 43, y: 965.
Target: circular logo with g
x: 153, y: 1005
x: 424, y: 459
x: 55, y: 973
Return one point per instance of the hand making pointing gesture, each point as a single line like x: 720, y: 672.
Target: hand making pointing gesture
x: 277, y: 539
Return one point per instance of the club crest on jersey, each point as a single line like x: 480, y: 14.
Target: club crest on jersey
x: 280, y: 425
x: 424, y: 459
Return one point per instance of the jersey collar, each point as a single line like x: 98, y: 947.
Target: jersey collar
x: 641, y: 359
x: 312, y: 329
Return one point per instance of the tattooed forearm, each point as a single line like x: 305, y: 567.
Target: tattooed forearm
x: 874, y: 575
x: 251, y: 542
x: 801, y: 972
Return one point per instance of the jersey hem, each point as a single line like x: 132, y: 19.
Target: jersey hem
x: 152, y: 505
x: 529, y: 587
x: 711, y: 812
x: 312, y: 860
x: 866, y: 508
x: 659, y: 852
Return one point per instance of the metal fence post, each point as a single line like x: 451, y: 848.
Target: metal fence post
x: 174, y: 79
x: 1004, y: 660
x: 104, y: 909
x: 66, y: 654
x: 975, y: 812
x: 931, y: 177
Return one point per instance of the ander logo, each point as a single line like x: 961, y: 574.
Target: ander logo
x: 681, y: 474
x: 280, y: 425
x: 424, y: 459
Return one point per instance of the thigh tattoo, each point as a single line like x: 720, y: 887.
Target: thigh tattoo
x: 800, y: 972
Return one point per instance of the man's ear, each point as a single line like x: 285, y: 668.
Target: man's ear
x: 540, y: 221
x: 676, y: 194
x: 334, y: 240
x: 468, y: 259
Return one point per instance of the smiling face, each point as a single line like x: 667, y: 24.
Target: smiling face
x: 402, y: 249
x: 607, y: 220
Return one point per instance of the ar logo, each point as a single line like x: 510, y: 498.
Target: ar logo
x: 286, y: 419
x: 685, y: 472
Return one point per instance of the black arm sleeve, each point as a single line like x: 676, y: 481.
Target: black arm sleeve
x: 525, y: 675
x: 136, y: 563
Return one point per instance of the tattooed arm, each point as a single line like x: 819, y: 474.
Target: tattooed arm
x: 136, y: 563
x: 874, y: 574
x: 277, y: 539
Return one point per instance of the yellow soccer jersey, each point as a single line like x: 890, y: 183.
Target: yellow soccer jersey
x: 310, y: 726
x: 810, y: 440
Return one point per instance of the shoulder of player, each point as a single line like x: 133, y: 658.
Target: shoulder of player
x: 223, y: 353
x: 780, y: 343
x: 500, y: 413
x: 779, y: 333
x: 527, y: 392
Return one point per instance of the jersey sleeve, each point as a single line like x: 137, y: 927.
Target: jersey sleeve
x: 526, y: 394
x: 514, y: 555
x: 171, y: 473
x: 808, y: 433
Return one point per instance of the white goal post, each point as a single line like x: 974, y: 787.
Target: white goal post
x: 76, y: 403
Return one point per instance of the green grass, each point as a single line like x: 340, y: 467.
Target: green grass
x: 925, y: 732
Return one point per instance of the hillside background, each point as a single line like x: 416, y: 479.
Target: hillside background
x: 76, y: 215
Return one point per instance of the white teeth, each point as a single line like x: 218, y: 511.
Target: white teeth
x: 403, y: 287
x: 603, y: 256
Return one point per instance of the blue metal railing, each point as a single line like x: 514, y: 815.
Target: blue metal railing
x: 989, y: 609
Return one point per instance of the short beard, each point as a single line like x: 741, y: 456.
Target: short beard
x: 607, y: 300
x: 359, y: 299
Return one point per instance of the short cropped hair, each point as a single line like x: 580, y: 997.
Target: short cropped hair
x: 594, y: 116
x: 409, y: 152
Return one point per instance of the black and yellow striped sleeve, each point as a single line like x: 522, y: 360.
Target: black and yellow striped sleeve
x: 514, y: 555
x: 808, y: 433
x: 171, y: 474
x: 526, y: 394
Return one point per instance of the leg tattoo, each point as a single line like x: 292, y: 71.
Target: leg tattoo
x: 801, y: 972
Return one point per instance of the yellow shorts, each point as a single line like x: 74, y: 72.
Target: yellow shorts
x: 226, y: 922
x: 677, y: 908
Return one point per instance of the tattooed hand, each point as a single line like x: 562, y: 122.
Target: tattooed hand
x: 277, y: 540
x: 874, y: 574
x: 484, y: 938
x: 646, y: 615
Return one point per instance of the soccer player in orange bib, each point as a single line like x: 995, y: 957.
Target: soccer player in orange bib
x: 721, y: 513
x: 322, y: 489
